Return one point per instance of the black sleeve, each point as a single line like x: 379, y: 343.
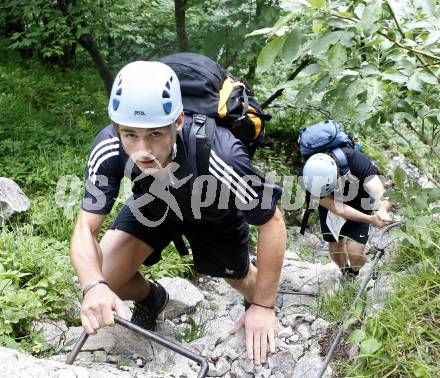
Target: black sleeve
x: 254, y: 196
x: 360, y: 166
x: 102, y: 177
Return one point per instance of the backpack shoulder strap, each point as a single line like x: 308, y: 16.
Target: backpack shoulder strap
x: 342, y: 161
x: 200, y: 139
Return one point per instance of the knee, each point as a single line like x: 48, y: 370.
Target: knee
x: 358, y: 261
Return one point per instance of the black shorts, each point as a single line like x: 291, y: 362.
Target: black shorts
x: 219, y: 249
x: 351, y: 230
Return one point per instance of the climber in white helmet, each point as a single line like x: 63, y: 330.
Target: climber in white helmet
x: 353, y: 199
x: 146, y: 142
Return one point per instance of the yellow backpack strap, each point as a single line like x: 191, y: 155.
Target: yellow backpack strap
x: 255, y: 120
x: 225, y: 93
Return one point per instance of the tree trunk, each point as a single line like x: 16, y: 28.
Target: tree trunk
x: 182, y: 36
x: 88, y: 43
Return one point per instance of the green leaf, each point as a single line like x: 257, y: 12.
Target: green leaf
x: 281, y: 23
x: 337, y: 56
x: 268, y: 54
x: 370, y: 15
x: 403, y: 116
x: 259, y: 32
x: 318, y: 4
x: 395, y: 76
x: 369, y: 69
x: 433, y: 38
x: 414, y: 83
x: 9, y: 342
x: 399, y: 177
x: 349, y: 322
x: 321, y: 45
x: 369, y: 346
x: 311, y: 69
x: 291, y: 45
x: 317, y: 26
x: 428, y: 78
x: 347, y: 39
x: 356, y: 336
x: 322, y: 83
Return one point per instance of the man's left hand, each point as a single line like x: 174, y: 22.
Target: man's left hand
x: 259, y: 326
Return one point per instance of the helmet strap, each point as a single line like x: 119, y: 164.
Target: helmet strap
x: 174, y: 138
x: 174, y: 151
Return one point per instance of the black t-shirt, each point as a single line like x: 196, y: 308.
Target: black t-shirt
x: 232, y: 190
x: 362, y: 170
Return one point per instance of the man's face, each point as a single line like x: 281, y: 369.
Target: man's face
x: 148, y: 148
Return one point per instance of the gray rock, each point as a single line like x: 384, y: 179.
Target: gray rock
x: 19, y: 365
x: 219, y: 368
x: 261, y: 372
x: 53, y: 331
x: 184, y: 296
x: 309, y: 240
x: 309, y: 366
x: 294, y: 338
x: 285, y: 332
x: 231, y: 354
x: 319, y: 326
x: 283, y: 362
x: 237, y: 371
x: 296, y: 351
x: 12, y: 199
x: 291, y: 255
x: 85, y: 357
x: 99, y: 356
x: 113, y: 340
x: 309, y: 277
x: 304, y: 330
x: 223, y: 323
x: 243, y: 367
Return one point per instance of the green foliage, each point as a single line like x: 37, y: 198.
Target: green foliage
x: 170, y: 265
x: 403, y: 338
x: 195, y: 328
x: 334, y: 306
x: 119, y: 28
x: 35, y: 281
x: 218, y: 28
x: 48, y: 121
x: 370, y: 64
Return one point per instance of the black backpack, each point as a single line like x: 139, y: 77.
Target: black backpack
x: 214, y: 97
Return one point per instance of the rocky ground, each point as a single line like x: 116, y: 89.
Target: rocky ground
x: 200, y: 315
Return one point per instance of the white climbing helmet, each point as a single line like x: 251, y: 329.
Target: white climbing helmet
x: 145, y: 95
x: 320, y: 175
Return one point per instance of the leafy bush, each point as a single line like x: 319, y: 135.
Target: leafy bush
x: 403, y: 338
x: 35, y: 281
x: 170, y: 265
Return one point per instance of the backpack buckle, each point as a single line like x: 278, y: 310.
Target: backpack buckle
x: 200, y: 119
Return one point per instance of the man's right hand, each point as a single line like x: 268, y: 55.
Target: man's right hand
x: 97, y: 308
x: 378, y: 222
